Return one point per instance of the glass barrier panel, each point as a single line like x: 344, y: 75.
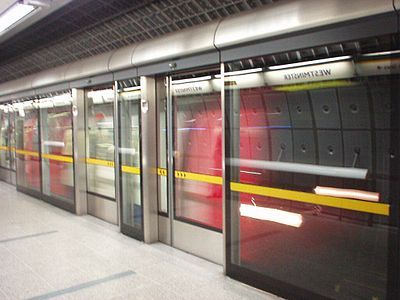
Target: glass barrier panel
x: 129, y: 114
x: 100, y: 142
x: 4, y: 139
x: 12, y: 139
x: 57, y: 153
x: 312, y: 170
x: 162, y: 146
x: 198, y: 156
x: 27, y: 148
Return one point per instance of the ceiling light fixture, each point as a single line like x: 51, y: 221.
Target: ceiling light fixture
x: 14, y: 14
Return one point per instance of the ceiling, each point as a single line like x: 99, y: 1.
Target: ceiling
x: 85, y: 28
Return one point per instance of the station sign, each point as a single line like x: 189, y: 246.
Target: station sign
x: 320, y: 72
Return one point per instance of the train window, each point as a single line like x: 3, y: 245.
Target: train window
x: 5, y: 158
x: 57, y: 147
x: 27, y: 146
x: 100, y: 141
x: 312, y: 168
x: 130, y: 154
x: 197, y: 149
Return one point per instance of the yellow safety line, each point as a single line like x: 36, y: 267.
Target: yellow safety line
x: 100, y: 162
x: 4, y: 148
x: 68, y: 159
x: 26, y: 152
x: 162, y: 172
x: 350, y: 204
x: 131, y: 170
x: 198, y: 177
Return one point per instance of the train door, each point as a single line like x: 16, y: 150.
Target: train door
x: 27, y: 124
x: 190, y: 163
x: 57, y: 150
x: 129, y: 136
x: 100, y: 173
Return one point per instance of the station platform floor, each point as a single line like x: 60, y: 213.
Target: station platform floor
x: 47, y: 253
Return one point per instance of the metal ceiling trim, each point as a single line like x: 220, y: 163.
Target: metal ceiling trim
x: 183, y: 43
x: 121, y: 58
x: 88, y: 67
x: 49, y: 77
x: 367, y: 27
x: 286, y: 17
x: 170, y: 66
x: 92, y: 81
x: 52, y: 88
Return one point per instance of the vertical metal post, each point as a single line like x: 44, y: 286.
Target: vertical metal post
x: 79, y: 138
x: 116, y: 155
x: 232, y: 173
x: 170, y: 158
x: 224, y: 182
x: 148, y: 113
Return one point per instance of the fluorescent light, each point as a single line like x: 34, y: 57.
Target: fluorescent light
x: 196, y: 79
x: 130, y: 89
x: 271, y: 214
x: 318, y: 170
x: 383, y: 53
x: 240, y: 72
x: 13, y: 14
x: 309, y: 63
x: 347, y: 193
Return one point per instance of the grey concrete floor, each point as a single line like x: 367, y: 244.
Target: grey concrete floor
x: 47, y: 253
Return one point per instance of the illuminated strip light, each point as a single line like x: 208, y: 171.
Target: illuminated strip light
x: 54, y: 143
x: 240, y: 72
x: 14, y: 14
x: 383, y: 53
x: 131, y: 89
x: 271, y: 214
x: 196, y: 79
x: 318, y: 170
x: 309, y: 63
x: 347, y: 193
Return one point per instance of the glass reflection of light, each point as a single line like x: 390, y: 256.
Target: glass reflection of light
x: 190, y: 129
x: 347, y: 193
x: 271, y: 214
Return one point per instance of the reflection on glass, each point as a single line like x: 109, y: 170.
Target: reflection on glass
x: 100, y: 142
x: 4, y: 138
x: 57, y: 152
x: 312, y: 176
x: 27, y: 144
x: 129, y: 108
x: 162, y: 146
x: 197, y: 129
